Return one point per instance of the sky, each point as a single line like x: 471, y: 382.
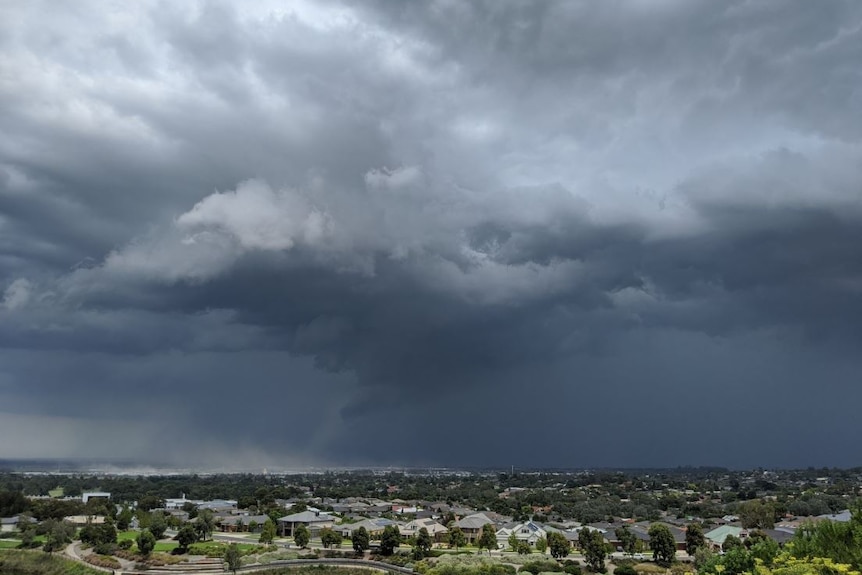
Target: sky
x: 489, y: 233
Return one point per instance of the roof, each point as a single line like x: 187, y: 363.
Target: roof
x: 376, y: 524
x: 9, y: 520
x: 244, y: 519
x: 779, y: 536
x: 719, y: 534
x: 475, y: 521
x: 843, y: 516
x: 306, y: 517
x: 432, y: 526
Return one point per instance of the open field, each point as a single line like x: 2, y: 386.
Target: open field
x: 39, y: 563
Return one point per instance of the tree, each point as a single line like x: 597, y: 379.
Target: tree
x: 628, y: 541
x: 106, y: 533
x: 456, y: 537
x: 558, y: 544
x: 124, y: 519
x: 59, y: 535
x: 158, y: 526
x: 704, y: 558
x: 301, y: 536
x: 541, y: 544
x: 662, y: 543
x: 148, y: 502
x: 28, y: 538
x: 513, y: 541
x: 186, y: 536
x: 232, y: 557
x: 205, y: 523
x: 267, y: 534
x: 766, y: 550
x: 593, y: 546
x: 738, y: 560
x: 757, y: 514
x: 840, y: 542
x: 488, y: 538
x: 694, y: 538
x: 423, y: 542
x: 731, y: 542
x: 146, y: 542
x: 328, y: 536
x: 360, y: 539
x: 524, y: 548
x: 390, y: 540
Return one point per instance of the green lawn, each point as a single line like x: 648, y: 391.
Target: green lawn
x: 9, y: 544
x: 55, y: 493
x: 161, y: 546
x: 42, y: 563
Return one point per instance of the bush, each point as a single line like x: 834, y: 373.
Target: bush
x: 575, y: 569
x: 105, y: 548
x: 105, y: 561
x: 625, y: 570
x: 454, y: 568
x: 125, y: 544
x: 536, y: 567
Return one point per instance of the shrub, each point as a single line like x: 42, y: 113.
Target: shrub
x: 125, y: 544
x: 536, y: 567
x: 105, y: 548
x: 105, y: 561
x: 575, y: 569
x: 625, y: 570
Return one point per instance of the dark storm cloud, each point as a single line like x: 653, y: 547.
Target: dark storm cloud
x: 450, y: 216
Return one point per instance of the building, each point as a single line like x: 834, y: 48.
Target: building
x: 716, y: 537
x: 529, y: 532
x: 86, y: 496
x: 374, y: 527
x: 235, y: 523
x: 8, y: 524
x: 412, y: 529
x: 313, y: 520
x: 472, y: 525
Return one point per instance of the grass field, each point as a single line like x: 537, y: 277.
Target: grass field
x: 161, y: 546
x: 55, y: 493
x: 9, y: 544
x: 39, y: 563
x: 166, y: 546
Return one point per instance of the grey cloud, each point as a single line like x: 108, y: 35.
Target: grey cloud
x: 393, y: 215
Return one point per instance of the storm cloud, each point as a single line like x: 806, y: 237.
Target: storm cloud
x: 454, y: 233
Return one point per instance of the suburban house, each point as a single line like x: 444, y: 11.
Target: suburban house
x: 374, y: 527
x: 614, y: 541
x: 778, y: 535
x: 235, y: 523
x: 529, y: 532
x: 313, y: 520
x: 8, y: 524
x: 472, y: 526
x: 716, y: 537
x: 411, y: 529
x: 82, y: 520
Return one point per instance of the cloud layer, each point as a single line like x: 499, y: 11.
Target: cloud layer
x: 441, y: 233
